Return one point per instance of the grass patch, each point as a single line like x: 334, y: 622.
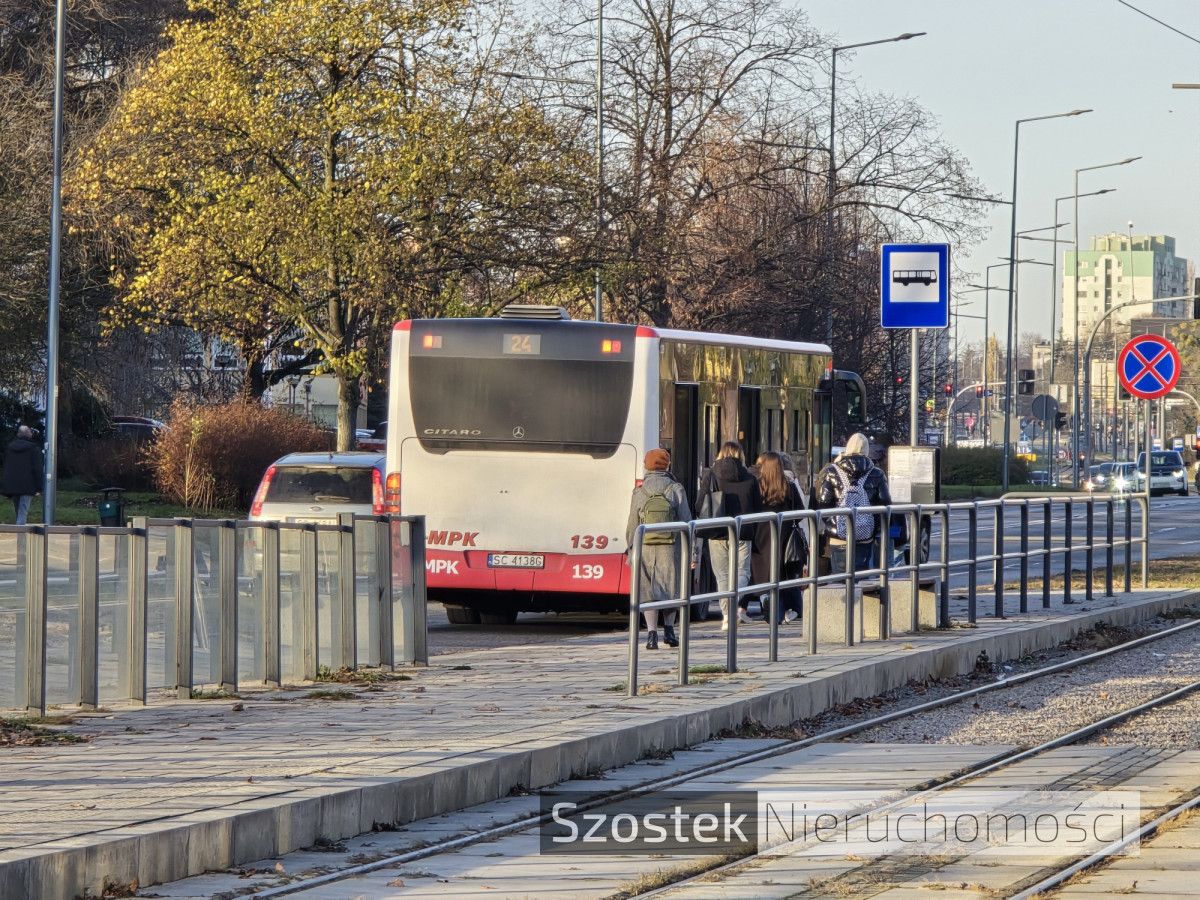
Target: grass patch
x: 460, y: 668
x: 219, y: 694
x: 330, y: 695
x: 357, y: 676
x: 619, y: 688
x: 76, y: 505
x: 707, y: 669
x: 1169, y: 573
x: 661, y: 878
x: 31, y: 731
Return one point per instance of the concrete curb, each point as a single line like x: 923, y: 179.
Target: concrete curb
x: 258, y: 828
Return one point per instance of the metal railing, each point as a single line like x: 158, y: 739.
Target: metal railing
x: 96, y: 614
x: 890, y: 572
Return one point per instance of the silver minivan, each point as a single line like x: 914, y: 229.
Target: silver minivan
x: 318, y: 487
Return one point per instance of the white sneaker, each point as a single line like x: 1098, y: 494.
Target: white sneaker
x: 744, y: 617
x: 791, y: 616
x: 724, y: 623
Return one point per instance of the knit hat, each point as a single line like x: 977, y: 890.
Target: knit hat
x: 658, y: 460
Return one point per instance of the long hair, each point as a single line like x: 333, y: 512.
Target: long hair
x: 732, y: 449
x: 772, y: 483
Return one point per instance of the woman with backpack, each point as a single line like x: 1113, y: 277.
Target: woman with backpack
x: 728, y: 489
x: 659, y: 498
x: 779, y: 495
x: 850, y: 481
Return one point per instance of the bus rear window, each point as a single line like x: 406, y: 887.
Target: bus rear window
x: 520, y: 402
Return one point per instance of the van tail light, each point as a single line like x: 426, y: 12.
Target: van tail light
x: 376, y: 493
x: 391, y: 494
x: 261, y: 494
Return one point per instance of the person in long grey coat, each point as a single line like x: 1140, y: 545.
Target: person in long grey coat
x: 661, y: 565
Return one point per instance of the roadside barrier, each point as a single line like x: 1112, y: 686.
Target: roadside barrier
x: 95, y: 614
x: 895, y: 580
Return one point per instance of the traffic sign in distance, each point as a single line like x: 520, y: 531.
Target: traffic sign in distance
x: 1044, y: 407
x: 1148, y: 366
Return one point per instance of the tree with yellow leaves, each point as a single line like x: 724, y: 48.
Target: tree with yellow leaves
x: 311, y: 170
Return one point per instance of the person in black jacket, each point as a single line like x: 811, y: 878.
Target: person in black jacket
x: 728, y: 489
x: 22, y: 477
x: 852, y: 469
x: 779, y: 494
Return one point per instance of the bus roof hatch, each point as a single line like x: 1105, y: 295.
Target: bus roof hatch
x: 533, y: 311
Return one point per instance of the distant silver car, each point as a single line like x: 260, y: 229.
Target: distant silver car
x: 318, y: 487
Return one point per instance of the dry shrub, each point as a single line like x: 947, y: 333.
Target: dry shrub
x: 213, y: 456
x: 112, y: 462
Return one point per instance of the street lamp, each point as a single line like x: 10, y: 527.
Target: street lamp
x: 50, y: 486
x: 1075, y: 325
x: 983, y: 408
x: 1012, y: 252
x: 832, y: 180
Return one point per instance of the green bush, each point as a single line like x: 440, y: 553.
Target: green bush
x: 980, y: 465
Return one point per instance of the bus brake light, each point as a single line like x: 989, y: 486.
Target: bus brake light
x: 391, y: 494
x: 610, y: 346
x: 432, y: 342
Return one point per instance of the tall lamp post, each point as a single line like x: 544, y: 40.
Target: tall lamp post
x: 1010, y: 350
x: 49, y: 488
x: 1053, y: 315
x: 831, y: 182
x: 1075, y: 408
x: 598, y: 300
x: 1012, y: 252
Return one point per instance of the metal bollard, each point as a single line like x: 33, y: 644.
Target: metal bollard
x: 89, y: 618
x: 344, y: 643
x: 1128, y: 546
x: 384, y: 596
x: 1089, y: 553
x: 309, y: 639
x: 944, y: 592
x: 1047, y: 549
x: 1108, y: 547
x: 269, y: 535
x: 735, y: 595
x: 851, y: 544
x: 973, y: 567
x: 1068, y: 538
x: 635, y: 601
x: 998, y: 560
x: 885, y: 589
x: 913, y: 521
x: 35, y: 620
x: 1024, y: 511
x: 686, y: 539
x: 138, y: 560
x: 773, y: 601
x: 227, y: 625
x: 813, y: 532
x: 185, y: 599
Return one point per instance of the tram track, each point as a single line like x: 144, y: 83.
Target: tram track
x: 459, y: 842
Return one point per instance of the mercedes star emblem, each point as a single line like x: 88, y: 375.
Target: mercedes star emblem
x: 519, y: 433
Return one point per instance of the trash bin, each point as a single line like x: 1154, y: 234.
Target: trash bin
x: 111, y: 507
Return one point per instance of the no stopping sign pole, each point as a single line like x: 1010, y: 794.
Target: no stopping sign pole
x: 1148, y: 367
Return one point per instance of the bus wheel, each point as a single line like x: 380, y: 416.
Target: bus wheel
x: 498, y: 617
x: 461, y: 615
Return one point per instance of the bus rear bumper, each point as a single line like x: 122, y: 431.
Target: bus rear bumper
x: 561, y: 573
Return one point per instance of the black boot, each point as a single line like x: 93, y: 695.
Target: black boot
x: 669, y: 636
x: 652, y: 639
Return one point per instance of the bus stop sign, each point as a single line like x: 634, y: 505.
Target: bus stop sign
x: 1148, y: 367
x: 914, y: 285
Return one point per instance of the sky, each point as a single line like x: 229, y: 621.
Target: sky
x: 983, y: 65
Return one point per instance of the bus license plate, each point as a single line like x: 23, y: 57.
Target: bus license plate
x: 516, y: 561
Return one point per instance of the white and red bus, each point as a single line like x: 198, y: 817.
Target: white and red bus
x: 520, y: 439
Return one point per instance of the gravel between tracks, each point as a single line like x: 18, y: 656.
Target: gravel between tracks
x: 1047, y: 707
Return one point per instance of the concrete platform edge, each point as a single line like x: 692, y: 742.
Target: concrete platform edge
x: 191, y: 845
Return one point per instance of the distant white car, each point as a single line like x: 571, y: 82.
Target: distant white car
x: 318, y: 487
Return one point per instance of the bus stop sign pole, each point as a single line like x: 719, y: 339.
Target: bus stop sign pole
x: 914, y: 292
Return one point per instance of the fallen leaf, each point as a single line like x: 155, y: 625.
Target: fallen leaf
x: 279, y: 867
x: 237, y: 707
x: 396, y: 882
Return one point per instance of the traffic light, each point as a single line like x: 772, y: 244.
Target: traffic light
x: 978, y: 391
x: 1060, y: 421
x: 948, y: 389
x: 1025, y: 380
x: 899, y: 380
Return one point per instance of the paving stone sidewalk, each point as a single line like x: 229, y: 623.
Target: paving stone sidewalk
x: 469, y: 727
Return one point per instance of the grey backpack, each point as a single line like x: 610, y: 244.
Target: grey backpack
x: 854, y: 495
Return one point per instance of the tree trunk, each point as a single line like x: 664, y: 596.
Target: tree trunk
x: 347, y: 411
